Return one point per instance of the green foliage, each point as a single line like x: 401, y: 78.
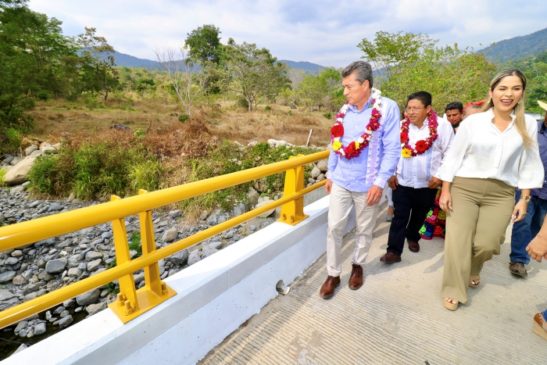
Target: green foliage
x: 535, y: 69
x: 135, y: 243
x: 254, y: 73
x: 11, y: 140
x: 465, y: 78
x: 391, y: 49
x: 2, y: 176
x: 94, y: 171
x: 39, y: 62
x: 228, y: 158
x: 145, y: 174
x: 183, y: 118
x: 322, y: 91
x: 99, y: 74
x: 448, y: 73
x: 204, y: 44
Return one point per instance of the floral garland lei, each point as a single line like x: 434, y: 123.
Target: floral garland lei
x: 354, y: 148
x: 422, y: 145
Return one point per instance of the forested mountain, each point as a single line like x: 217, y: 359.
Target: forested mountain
x: 517, y: 48
x: 125, y: 60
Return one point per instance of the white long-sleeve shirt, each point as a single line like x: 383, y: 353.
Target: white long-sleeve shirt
x: 481, y: 150
x: 415, y: 172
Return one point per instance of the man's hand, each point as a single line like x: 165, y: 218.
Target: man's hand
x: 328, y: 186
x: 537, y: 249
x: 434, y: 183
x: 392, y: 182
x: 374, y: 195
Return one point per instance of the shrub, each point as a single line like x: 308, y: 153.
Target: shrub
x: 229, y: 157
x: 183, y: 118
x: 94, y: 171
x: 11, y: 140
x: 2, y: 175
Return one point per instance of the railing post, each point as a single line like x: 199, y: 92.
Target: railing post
x: 126, y: 303
x: 293, y: 211
x: 154, y: 291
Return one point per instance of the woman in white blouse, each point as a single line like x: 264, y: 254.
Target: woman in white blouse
x: 493, y: 153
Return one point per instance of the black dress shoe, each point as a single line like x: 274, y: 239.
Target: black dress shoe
x: 327, y: 289
x: 413, y: 246
x: 390, y: 258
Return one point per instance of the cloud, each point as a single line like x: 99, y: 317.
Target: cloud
x: 321, y: 31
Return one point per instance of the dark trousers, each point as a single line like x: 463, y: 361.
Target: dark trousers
x: 411, y: 207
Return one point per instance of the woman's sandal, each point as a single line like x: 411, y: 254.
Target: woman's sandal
x: 474, y: 281
x: 450, y: 303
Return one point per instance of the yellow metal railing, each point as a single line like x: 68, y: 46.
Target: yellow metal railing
x: 131, y: 302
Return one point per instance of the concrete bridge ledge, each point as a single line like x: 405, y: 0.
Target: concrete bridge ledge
x: 215, y: 296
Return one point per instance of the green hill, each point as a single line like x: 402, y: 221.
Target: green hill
x: 517, y: 48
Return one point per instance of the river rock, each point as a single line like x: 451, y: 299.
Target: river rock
x: 65, y: 321
x: 88, y: 298
x: 322, y: 165
x: 94, y: 308
x: 170, y: 235
x: 7, y: 276
x: 56, y: 266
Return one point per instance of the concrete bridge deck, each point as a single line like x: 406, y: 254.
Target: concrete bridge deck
x: 396, y: 317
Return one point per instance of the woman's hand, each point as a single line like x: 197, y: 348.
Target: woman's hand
x: 445, y: 201
x: 519, y: 212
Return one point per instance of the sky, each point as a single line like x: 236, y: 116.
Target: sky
x: 325, y: 32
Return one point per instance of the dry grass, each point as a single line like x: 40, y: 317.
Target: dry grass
x: 61, y: 120
x: 162, y: 133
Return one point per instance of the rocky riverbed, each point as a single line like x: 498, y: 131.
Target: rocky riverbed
x: 26, y: 273
x: 41, y: 267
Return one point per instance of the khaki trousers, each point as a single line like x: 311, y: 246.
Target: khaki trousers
x: 340, y: 205
x: 475, y: 229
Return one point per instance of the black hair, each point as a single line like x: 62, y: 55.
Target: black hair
x: 423, y: 96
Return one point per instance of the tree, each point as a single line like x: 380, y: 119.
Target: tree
x: 204, y: 45
x: 32, y: 59
x: 535, y: 69
x: 321, y: 91
x: 254, y: 72
x: 465, y: 78
x: 180, y: 77
x: 98, y: 75
x: 391, y: 49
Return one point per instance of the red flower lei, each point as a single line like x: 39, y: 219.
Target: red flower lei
x: 422, y: 145
x: 354, y: 148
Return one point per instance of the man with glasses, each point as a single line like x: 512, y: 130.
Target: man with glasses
x: 425, y: 138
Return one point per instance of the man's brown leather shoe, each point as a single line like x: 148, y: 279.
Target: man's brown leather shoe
x: 356, y: 278
x: 327, y: 289
x: 390, y: 258
x: 413, y: 246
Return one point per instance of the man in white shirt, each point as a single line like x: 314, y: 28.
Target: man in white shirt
x: 425, y: 138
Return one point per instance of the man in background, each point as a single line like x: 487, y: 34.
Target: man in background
x: 526, y: 229
x: 454, y: 113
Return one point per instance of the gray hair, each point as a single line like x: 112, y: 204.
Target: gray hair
x: 362, y: 71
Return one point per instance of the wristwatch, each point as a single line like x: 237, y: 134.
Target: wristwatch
x: 526, y: 198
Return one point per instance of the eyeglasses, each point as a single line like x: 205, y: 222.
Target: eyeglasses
x: 413, y: 109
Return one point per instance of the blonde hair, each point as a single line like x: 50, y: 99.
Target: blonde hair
x: 520, y: 123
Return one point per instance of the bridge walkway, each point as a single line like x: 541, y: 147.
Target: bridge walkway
x: 396, y: 317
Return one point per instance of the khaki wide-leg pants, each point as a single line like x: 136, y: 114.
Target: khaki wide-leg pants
x: 340, y: 205
x: 475, y: 229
